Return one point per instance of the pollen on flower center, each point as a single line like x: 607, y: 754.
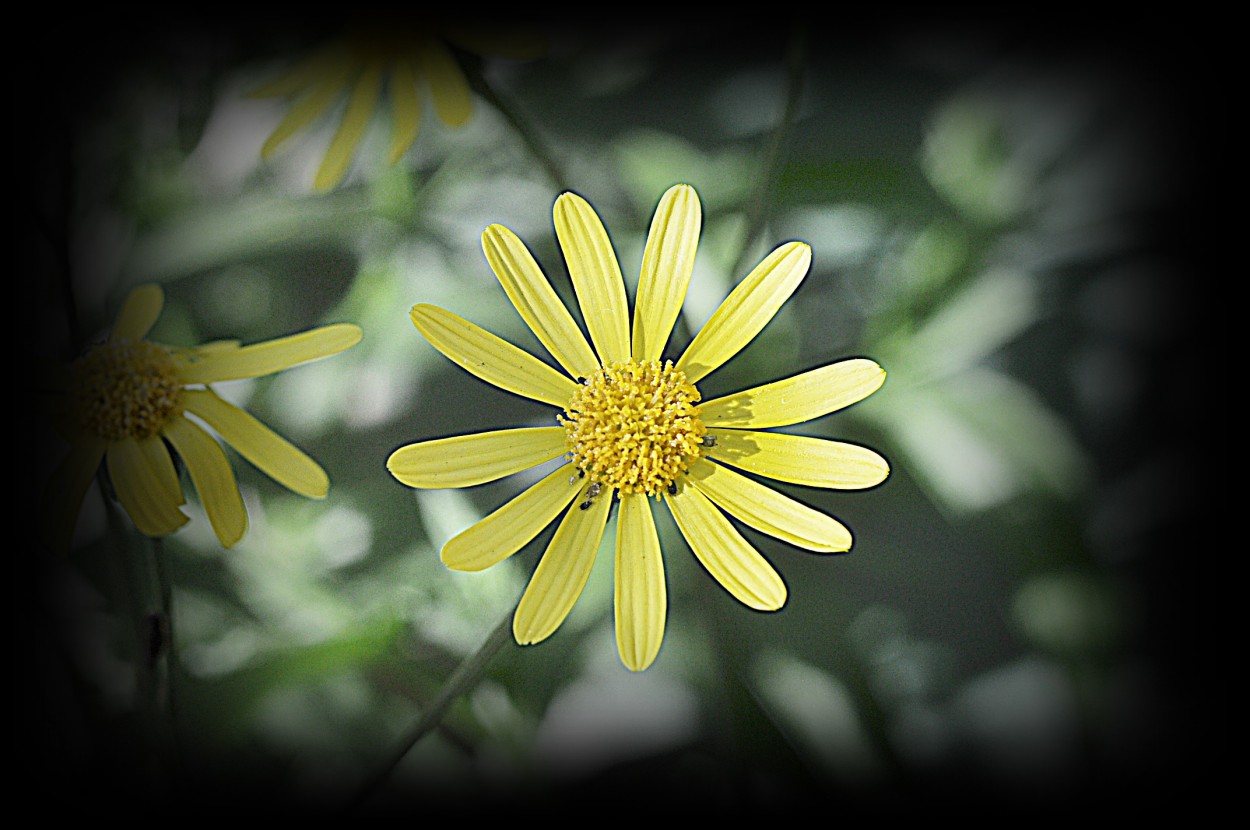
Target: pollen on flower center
x: 634, y: 426
x: 126, y: 390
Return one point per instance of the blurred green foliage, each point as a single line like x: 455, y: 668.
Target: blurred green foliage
x: 972, y: 201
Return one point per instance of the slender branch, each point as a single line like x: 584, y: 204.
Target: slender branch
x: 147, y: 594
x: 128, y: 590
x: 464, y: 678
x: 796, y: 63
x: 163, y: 651
x: 533, y: 141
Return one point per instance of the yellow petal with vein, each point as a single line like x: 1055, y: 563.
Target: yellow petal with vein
x: 729, y: 558
x: 536, y: 301
x: 641, y: 595
x: 270, y: 452
x: 468, y: 460
x: 405, y: 108
x: 511, y: 527
x: 198, y: 351
x: 360, y: 107
x: 142, y: 486
x: 561, y: 573
x: 271, y: 356
x: 796, y: 399
x: 65, y: 491
x: 138, y: 314
x: 161, y: 465
x: 800, y: 459
x: 747, y: 309
x: 596, y: 276
x: 491, y: 358
x: 667, y: 262
x: 453, y: 102
x: 767, y: 510
x: 213, y: 479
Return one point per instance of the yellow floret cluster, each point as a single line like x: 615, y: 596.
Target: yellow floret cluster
x: 126, y: 390
x: 634, y: 426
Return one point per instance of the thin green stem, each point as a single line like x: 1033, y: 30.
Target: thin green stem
x: 128, y: 591
x: 465, y: 677
x: 533, y: 141
x: 145, y: 590
x: 796, y: 63
x: 162, y: 651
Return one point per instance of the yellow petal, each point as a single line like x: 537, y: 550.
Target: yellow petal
x: 561, y: 573
x: 138, y: 314
x: 596, y: 276
x: 767, y: 510
x: 536, y: 301
x: 511, y: 527
x: 141, y: 481
x: 161, y: 465
x: 213, y: 479
x: 491, y: 358
x: 271, y: 356
x: 796, y: 399
x: 65, y: 491
x: 196, y: 352
x: 641, y: 596
x: 799, y: 459
x: 360, y: 107
x: 270, y: 452
x: 747, y: 309
x: 405, y: 108
x: 667, y: 262
x: 333, y: 78
x: 729, y: 558
x: 453, y: 103
x: 467, y: 460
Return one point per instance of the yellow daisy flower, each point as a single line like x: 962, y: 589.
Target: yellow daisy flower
x: 125, y: 402
x: 632, y: 424
x: 360, y: 66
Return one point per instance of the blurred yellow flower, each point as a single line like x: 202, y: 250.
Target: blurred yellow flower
x: 633, y: 425
x: 125, y: 402
x: 368, y: 65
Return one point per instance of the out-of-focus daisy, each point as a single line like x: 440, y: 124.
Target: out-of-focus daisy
x: 369, y: 66
x: 125, y: 402
x: 633, y: 425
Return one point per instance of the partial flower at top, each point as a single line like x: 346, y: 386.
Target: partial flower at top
x: 369, y: 66
x: 633, y: 426
x: 125, y: 402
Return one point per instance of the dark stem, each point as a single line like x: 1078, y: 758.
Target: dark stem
x: 533, y: 141
x: 465, y: 677
x: 144, y: 589
x: 129, y: 591
x: 796, y: 62
x: 162, y: 648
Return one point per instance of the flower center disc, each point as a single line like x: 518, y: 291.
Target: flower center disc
x: 635, y: 426
x: 127, y: 390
